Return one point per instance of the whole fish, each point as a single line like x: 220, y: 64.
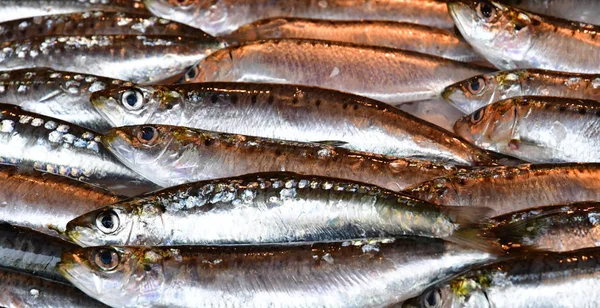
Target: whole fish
x: 587, y: 11
x: 141, y: 59
x: 480, y: 91
x: 57, y: 94
x: 289, y: 112
x: 29, y: 291
x: 224, y: 16
x: 349, y: 274
x: 511, y: 189
x: 389, y: 75
x: 568, y: 279
x: 17, y: 9
x: 34, y: 142
x: 401, y: 35
x: 172, y: 155
x: 28, y: 251
x: 536, y: 129
x: 511, y: 38
x: 93, y: 23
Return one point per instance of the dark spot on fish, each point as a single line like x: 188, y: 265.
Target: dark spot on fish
x: 234, y: 99
x: 318, y: 103
x: 270, y: 99
x: 582, y: 110
x: 593, y: 35
x: 8, y: 34
x: 462, y: 181
x: 214, y: 98
x: 295, y: 100
x: 208, y: 142
x: 547, y: 106
x: 535, y: 22
x: 573, y: 33
x: 598, y: 113
x: 162, y: 207
x: 278, y: 152
x: 344, y: 106
x: 253, y: 99
x: 355, y: 107
x: 555, y: 29
x: 562, y: 108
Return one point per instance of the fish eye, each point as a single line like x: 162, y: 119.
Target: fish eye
x: 106, y: 259
x: 477, y: 116
x: 476, y: 85
x: 181, y: 2
x: 147, y: 134
x: 486, y: 10
x: 191, y: 74
x: 132, y: 99
x: 107, y: 222
x: 432, y: 299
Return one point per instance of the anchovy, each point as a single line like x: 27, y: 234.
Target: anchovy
x: 389, y: 75
x: 140, y: 59
x: 34, y: 142
x: 224, y: 16
x: 480, y: 91
x: 537, y: 129
x: 587, y: 11
x: 511, y: 189
x: 289, y: 112
x: 349, y: 274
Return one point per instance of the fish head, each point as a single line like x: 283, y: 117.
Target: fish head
x: 208, y: 15
x: 489, y: 126
x: 471, y: 94
x: 129, y: 105
x: 503, y: 35
x: 216, y: 67
x: 435, y: 297
x: 458, y: 292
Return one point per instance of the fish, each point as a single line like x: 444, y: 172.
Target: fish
x: 93, y: 23
x: 224, y: 16
x: 474, y: 93
x: 31, y: 252
x: 510, y: 38
x: 292, y: 112
x: 400, y: 35
x: 586, y: 11
x: 507, y: 189
x: 567, y: 279
x: 173, y: 155
x: 18, y: 9
x: 536, y: 129
x: 34, y: 142
x: 57, y: 94
x: 136, y: 58
x: 24, y: 290
x: 323, y: 275
x: 389, y: 75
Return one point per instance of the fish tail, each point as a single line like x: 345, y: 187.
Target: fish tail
x: 468, y: 215
x: 510, y: 238
x: 476, y: 238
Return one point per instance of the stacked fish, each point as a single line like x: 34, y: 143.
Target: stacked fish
x: 261, y: 153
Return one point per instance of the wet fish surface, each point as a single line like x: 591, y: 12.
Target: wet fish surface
x: 480, y: 91
x: 536, y: 129
x: 324, y: 275
x: 224, y: 16
x: 290, y: 112
x: 407, y: 36
x: 511, y: 189
x: 400, y: 76
x: 586, y: 11
x: 34, y: 142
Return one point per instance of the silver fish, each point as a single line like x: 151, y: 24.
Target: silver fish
x: 172, y: 155
x: 349, y: 274
x: 289, y: 112
x: 401, y: 35
x: 224, y: 16
x: 587, y: 11
x: 510, y: 38
x: 389, y: 75
x: 480, y: 91
x: 511, y: 189
x: 34, y: 142
x: 141, y: 59
x: 537, y: 129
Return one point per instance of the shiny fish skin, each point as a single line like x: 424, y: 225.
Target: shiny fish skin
x: 93, y: 23
x: 140, y: 59
x: 289, y: 112
x: 34, y: 253
x: 480, y: 91
x: 31, y: 141
x: 537, y: 129
x: 46, y: 202
x: 57, y: 94
x: 587, y: 11
x: 177, y: 155
x: 321, y: 275
x: 20, y: 290
x: 389, y: 75
x: 512, y: 39
x: 407, y: 36
x: 510, y: 189
x: 224, y: 16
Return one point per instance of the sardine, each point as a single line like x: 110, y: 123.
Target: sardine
x: 400, y: 35
x: 296, y: 113
x: 537, y: 129
x: 389, y: 75
x: 141, y: 59
x: 34, y: 142
x: 172, y: 155
x: 511, y: 38
x: 224, y: 16
x: 349, y: 274
x: 480, y: 91
x: 511, y: 189
x: 587, y: 11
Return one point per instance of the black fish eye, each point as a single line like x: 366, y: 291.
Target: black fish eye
x: 147, y: 134
x: 191, y: 74
x: 477, y: 116
x: 132, y: 99
x: 432, y: 299
x: 476, y: 85
x: 106, y: 259
x: 107, y: 222
x: 486, y: 10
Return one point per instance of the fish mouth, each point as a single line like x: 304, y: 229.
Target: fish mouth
x: 461, y: 13
x: 461, y: 128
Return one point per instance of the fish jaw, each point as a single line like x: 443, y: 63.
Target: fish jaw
x: 463, y: 129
